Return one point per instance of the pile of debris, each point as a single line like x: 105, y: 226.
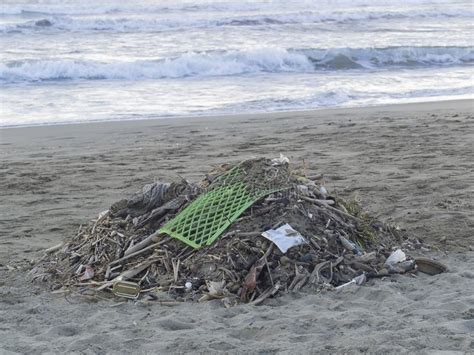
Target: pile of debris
x: 244, y: 233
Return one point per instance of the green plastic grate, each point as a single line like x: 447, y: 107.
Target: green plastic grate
x: 207, y: 217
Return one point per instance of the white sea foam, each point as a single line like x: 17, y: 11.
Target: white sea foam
x: 87, y: 7
x: 269, y: 60
x: 145, y: 24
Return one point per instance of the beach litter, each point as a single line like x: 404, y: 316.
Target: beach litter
x: 429, y: 266
x: 396, y: 257
x: 284, y: 237
x: 246, y: 232
x: 126, y: 289
x: 358, y: 280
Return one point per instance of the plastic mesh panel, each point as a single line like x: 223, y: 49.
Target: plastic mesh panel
x: 206, y: 218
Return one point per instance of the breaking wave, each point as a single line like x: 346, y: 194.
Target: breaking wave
x: 225, y: 63
x: 123, y: 24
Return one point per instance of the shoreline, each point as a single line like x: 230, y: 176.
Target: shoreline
x: 243, y: 115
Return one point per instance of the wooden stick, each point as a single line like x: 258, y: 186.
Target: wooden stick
x: 335, y: 218
x: 118, y: 261
x: 345, y: 214
x: 301, y: 282
x: 54, y: 248
x: 296, y: 279
x: 267, y: 253
x: 318, y: 201
x: 128, y: 274
x: 266, y: 294
x: 327, y: 203
x: 45, y: 255
x: 100, y: 219
x: 269, y: 272
x: 143, y: 244
x: 315, y: 177
x: 175, y: 269
x: 315, y: 275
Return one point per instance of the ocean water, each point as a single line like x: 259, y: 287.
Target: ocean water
x: 69, y: 61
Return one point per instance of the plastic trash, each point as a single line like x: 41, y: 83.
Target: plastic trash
x: 358, y: 280
x: 396, y: 257
x: 429, y: 266
x: 350, y: 245
x: 284, y: 237
x: 280, y: 161
x: 405, y: 266
x: 126, y: 289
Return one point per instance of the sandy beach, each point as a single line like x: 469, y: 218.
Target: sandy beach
x: 410, y: 165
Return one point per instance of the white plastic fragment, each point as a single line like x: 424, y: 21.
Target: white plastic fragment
x: 280, y: 161
x: 358, y: 280
x: 396, y: 257
x: 284, y: 237
x: 102, y: 214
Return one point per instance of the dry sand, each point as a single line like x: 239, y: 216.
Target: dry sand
x: 411, y: 165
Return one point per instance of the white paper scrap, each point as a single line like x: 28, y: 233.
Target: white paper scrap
x: 284, y: 237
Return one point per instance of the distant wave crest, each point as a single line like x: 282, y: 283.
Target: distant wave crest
x: 88, y: 7
x: 61, y: 22
x: 222, y: 63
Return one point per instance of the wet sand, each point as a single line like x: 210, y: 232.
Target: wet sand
x: 410, y: 165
